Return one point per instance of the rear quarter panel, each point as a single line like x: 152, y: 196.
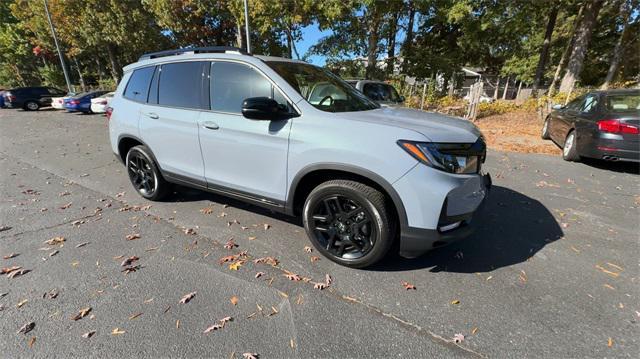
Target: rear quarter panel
x: 126, y: 113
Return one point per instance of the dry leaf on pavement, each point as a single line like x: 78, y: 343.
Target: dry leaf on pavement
x: 9, y: 256
x: 320, y: 286
x: 129, y: 261
x: 55, y: 241
x: 458, y: 338
x: 455, y: 301
x: 117, y: 331
x: 259, y: 274
x: 230, y: 244
x: 88, y: 334
x: 234, y: 300
x: 17, y: 273
x: 189, y: 231
x: 206, y: 210
x: 187, y: 297
x: 408, y: 286
x: 6, y: 270
x: 292, y: 276
x: 133, y: 236
x: 82, y: 313
x: 250, y: 355
x: 212, y: 328
x: 308, y: 249
x: 27, y: 328
x: 236, y: 265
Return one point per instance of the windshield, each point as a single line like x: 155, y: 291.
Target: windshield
x: 322, y: 89
x: 623, y: 102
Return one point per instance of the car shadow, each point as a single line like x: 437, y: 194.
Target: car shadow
x: 511, y: 228
x: 617, y: 166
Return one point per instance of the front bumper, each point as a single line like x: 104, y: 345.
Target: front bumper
x: 454, y: 219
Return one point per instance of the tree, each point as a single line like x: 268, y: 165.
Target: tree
x: 544, y: 49
x: 625, y: 13
x: 567, y: 51
x: 581, y: 45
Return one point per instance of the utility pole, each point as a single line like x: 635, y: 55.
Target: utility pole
x: 55, y: 40
x: 246, y: 25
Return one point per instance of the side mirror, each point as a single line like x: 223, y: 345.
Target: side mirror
x: 260, y: 108
x: 557, y: 107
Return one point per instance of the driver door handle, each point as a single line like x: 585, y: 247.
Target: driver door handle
x: 210, y: 125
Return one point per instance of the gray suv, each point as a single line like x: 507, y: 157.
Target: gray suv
x: 297, y: 139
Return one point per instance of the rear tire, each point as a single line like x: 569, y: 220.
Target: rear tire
x: 570, y: 148
x: 31, y: 106
x: 144, y: 174
x: 545, y: 130
x: 349, y: 223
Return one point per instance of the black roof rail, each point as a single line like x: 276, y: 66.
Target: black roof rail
x: 195, y: 50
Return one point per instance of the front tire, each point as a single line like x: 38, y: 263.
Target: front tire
x: 144, y: 174
x: 570, y: 148
x: 349, y: 223
x: 31, y: 106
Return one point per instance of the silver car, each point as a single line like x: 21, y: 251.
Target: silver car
x: 293, y: 137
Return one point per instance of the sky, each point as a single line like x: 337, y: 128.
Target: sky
x: 310, y: 36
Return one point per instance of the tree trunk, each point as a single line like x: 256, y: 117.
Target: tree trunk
x: 113, y: 60
x: 239, y: 35
x: 391, y: 43
x: 506, y: 88
x: 583, y: 37
x: 617, y: 51
x: 80, y: 77
x: 544, y: 50
x: 408, y: 41
x: 495, y: 93
x: 566, y: 52
x: 372, y: 45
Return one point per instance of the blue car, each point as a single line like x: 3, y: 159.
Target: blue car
x: 82, y: 102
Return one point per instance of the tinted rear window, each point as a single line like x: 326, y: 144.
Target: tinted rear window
x: 138, y: 86
x: 181, y: 85
x: 623, y: 102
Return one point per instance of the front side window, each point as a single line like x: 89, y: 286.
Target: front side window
x: 590, y: 104
x: 138, y: 85
x: 180, y: 85
x: 575, y: 104
x: 232, y: 83
x: 322, y: 89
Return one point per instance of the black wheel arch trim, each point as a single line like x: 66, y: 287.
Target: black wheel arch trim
x: 376, y: 178
x: 120, y: 155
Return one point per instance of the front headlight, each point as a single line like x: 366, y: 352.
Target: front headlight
x: 461, y: 158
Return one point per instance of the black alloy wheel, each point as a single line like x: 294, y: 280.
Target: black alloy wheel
x: 348, y: 222
x: 144, y: 174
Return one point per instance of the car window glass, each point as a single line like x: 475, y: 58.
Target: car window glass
x: 623, y: 102
x: 180, y: 85
x: 575, y: 104
x: 232, y: 83
x: 590, y: 104
x: 138, y: 85
x: 381, y: 92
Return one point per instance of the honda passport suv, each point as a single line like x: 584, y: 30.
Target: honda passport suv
x: 295, y: 138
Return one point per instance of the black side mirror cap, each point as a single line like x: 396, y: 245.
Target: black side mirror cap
x: 263, y: 108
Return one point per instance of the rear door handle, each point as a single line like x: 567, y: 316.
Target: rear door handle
x: 153, y: 115
x: 210, y: 125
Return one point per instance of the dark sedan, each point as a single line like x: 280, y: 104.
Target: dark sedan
x: 31, y: 98
x: 600, y: 124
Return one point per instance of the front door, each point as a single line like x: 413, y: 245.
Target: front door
x: 243, y: 156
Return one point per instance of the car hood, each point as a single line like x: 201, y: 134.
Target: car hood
x: 436, y: 127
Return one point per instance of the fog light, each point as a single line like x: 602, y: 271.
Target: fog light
x: 449, y: 227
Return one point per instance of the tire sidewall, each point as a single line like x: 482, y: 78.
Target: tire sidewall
x: 384, y: 237
x: 158, y: 191
x: 35, y: 108
x: 572, y: 154
x: 545, y: 129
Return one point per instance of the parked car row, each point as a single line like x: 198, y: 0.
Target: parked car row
x: 34, y: 98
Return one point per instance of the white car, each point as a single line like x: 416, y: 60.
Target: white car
x: 100, y: 104
x: 58, y: 102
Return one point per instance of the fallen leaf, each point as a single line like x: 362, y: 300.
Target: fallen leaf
x: 236, y: 265
x: 81, y: 244
x: 225, y: 320
x: 52, y: 294
x: 455, y: 301
x: 132, y: 237
x: 266, y: 226
x: 613, y: 274
x: 292, y: 276
x: 135, y: 316
x: 189, y: 231
x: 66, y: 205
x: 6, y: 270
x: 4, y: 228
x: 474, y: 330
x: 251, y: 238
x: 320, y: 286
x: 327, y: 279
x: 120, y: 194
x: 55, y: 241
x: 610, y: 342
x: 187, y: 297
x: 266, y: 260
x: 408, y: 286
x: 458, y: 338
x: 314, y: 259
x: 17, y: 273
x: 131, y: 269
x: 9, y: 256
x: 21, y: 303
x: 53, y: 253
x: 32, y: 341
x: 250, y: 355
x: 177, y: 323
x: 82, y: 313
x: 230, y: 244
x: 234, y: 300
x: 27, y: 328
x: 212, y: 328
x: 117, y: 331
x: 259, y: 274
x: 129, y: 261
x: 89, y: 334
x: 206, y: 210
x: 308, y: 249
x: 226, y: 259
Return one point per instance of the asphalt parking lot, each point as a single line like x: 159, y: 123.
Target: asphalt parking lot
x: 551, y: 272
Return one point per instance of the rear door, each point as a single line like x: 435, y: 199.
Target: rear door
x: 169, y: 119
x: 243, y: 156
x: 564, y: 120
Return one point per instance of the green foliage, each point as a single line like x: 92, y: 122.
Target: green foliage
x: 52, y: 76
